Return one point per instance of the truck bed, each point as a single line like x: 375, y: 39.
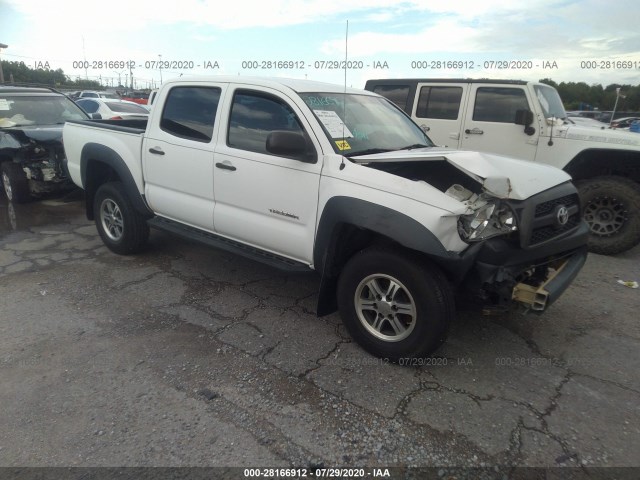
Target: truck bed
x: 123, y: 139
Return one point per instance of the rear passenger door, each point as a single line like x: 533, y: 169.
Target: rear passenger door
x: 490, y: 121
x: 439, y: 110
x: 178, y: 154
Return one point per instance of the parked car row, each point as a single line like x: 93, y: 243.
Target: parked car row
x: 140, y: 98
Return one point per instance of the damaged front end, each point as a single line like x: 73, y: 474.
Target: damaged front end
x: 532, y: 266
x: 40, y: 154
x: 521, y: 223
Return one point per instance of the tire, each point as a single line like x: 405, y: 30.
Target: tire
x: 15, y: 183
x: 421, y: 305
x: 122, y: 229
x: 611, y: 207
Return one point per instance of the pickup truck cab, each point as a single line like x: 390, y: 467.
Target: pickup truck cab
x: 527, y: 120
x: 309, y: 176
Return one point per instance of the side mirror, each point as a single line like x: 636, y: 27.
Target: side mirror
x: 290, y: 144
x: 95, y: 116
x: 525, y: 117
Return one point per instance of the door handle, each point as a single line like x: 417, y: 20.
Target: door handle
x: 156, y: 151
x: 475, y: 131
x: 226, y: 166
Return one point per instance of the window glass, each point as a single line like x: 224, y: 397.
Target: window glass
x: 254, y: 115
x: 439, y: 102
x: 190, y: 112
x: 127, y: 107
x: 498, y: 104
x: 398, y: 94
x: 89, y: 106
x: 20, y: 110
x: 359, y: 124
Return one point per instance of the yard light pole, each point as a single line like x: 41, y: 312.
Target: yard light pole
x: 616, y: 105
x: 2, y: 45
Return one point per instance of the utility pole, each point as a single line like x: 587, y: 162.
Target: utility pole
x: 2, y: 45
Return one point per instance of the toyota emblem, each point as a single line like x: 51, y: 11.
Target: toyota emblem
x: 562, y: 215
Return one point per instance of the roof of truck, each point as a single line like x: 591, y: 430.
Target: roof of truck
x: 395, y: 81
x: 297, y: 85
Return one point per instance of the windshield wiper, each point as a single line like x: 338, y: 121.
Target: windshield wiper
x: 414, y: 146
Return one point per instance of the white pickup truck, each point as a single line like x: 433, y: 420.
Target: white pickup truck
x: 311, y: 176
x: 527, y: 120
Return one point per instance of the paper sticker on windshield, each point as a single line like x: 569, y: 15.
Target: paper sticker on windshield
x: 4, y: 105
x: 333, y: 123
x: 343, y: 145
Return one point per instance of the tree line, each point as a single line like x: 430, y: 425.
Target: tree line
x: 580, y: 96
x: 19, y: 72
x: 575, y: 95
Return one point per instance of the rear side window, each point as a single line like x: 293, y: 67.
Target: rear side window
x: 398, y: 94
x: 439, y: 102
x: 499, y: 104
x: 190, y: 112
x: 254, y: 115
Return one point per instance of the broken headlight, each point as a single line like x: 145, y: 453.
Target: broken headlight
x: 488, y: 220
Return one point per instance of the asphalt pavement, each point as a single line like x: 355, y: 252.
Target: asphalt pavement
x: 187, y: 356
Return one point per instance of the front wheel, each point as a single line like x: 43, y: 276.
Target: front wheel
x: 122, y: 229
x: 395, y: 306
x: 15, y: 183
x: 611, y: 207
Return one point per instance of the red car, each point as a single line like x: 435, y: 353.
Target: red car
x: 136, y: 97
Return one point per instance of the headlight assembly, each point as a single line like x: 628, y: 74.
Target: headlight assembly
x: 487, y: 221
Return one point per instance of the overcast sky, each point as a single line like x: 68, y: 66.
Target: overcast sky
x: 595, y: 41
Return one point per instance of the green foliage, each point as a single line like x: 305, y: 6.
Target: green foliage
x: 580, y: 96
x: 21, y: 73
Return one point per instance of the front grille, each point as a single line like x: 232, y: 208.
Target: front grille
x: 545, y: 223
x: 548, y: 207
x: 540, y: 235
x: 538, y: 221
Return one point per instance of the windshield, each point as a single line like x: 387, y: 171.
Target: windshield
x: 18, y: 110
x: 366, y: 124
x: 550, y: 101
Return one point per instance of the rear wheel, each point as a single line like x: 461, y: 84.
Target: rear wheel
x: 122, y: 229
x: 611, y: 207
x: 394, y: 305
x: 15, y: 183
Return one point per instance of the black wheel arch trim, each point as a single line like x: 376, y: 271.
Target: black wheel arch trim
x: 380, y: 220
x: 376, y: 218
x: 95, y: 152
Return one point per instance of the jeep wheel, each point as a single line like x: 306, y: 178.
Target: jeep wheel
x: 393, y: 305
x: 122, y: 229
x: 611, y: 207
x: 15, y: 183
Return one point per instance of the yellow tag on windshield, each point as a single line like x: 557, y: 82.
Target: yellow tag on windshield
x: 343, y: 145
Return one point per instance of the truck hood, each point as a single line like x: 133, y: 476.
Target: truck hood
x: 596, y: 135
x: 502, y: 177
